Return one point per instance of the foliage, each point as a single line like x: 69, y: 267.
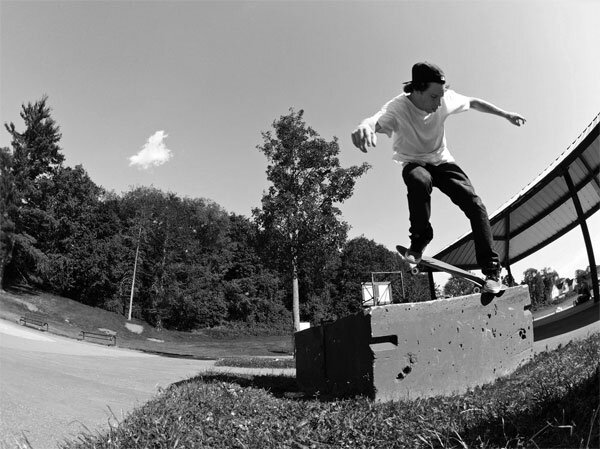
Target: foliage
x: 458, y: 286
x: 540, y: 284
x: 198, y: 266
x: 362, y: 257
x: 257, y: 362
x: 71, y: 240
x: 551, y: 402
x: 580, y: 276
x: 254, y: 293
x: 301, y: 223
x: 31, y: 166
x: 8, y: 210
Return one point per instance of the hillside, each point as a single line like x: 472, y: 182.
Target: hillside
x: 67, y: 317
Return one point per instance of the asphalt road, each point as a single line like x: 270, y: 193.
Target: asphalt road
x: 53, y: 388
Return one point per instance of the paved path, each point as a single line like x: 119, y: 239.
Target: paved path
x: 52, y: 388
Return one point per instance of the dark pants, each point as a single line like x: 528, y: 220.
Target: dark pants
x: 453, y: 182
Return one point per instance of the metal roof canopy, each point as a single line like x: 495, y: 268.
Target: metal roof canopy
x: 560, y: 198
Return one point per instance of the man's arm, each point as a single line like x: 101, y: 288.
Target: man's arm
x: 483, y: 106
x: 364, y: 135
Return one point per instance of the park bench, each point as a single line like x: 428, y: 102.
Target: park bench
x: 36, y: 320
x: 98, y: 337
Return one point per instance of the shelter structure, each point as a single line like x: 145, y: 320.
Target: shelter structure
x: 561, y: 198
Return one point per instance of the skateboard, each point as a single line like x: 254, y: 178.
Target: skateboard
x: 435, y: 264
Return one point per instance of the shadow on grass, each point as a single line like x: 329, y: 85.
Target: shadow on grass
x: 175, y: 355
x: 278, y: 386
x: 570, y: 419
x: 284, y: 387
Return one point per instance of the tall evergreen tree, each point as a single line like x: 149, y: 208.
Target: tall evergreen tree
x: 36, y: 157
x: 8, y: 207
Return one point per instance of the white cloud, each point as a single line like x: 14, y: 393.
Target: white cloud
x: 153, y: 153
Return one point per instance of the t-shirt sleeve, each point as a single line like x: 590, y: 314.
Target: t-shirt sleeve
x: 387, y: 118
x: 456, y: 103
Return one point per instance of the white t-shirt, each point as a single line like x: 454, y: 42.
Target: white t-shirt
x: 419, y: 136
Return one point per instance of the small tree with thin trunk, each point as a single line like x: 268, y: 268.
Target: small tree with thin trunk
x: 300, y: 222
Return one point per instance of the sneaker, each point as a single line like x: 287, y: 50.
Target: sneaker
x: 492, y: 283
x: 413, y: 257
x: 415, y: 252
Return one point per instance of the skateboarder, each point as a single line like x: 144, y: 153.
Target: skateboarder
x: 415, y: 121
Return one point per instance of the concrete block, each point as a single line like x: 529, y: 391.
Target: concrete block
x: 411, y: 350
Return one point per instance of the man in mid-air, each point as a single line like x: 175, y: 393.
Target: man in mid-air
x: 415, y: 121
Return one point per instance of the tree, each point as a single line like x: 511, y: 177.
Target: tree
x: 540, y: 284
x: 549, y: 278
x: 301, y: 224
x: 191, y: 244
x: 361, y: 257
x: 458, y: 286
x: 533, y: 279
x: 36, y: 151
x: 183, y: 256
x: 253, y: 293
x: 70, y: 239
x: 580, y: 276
x: 8, y: 208
x: 35, y: 159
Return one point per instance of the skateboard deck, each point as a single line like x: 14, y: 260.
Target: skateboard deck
x: 435, y: 264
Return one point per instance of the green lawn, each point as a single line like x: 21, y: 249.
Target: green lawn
x: 68, y: 318
x: 552, y: 402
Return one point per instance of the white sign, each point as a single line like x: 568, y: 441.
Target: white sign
x: 376, y: 293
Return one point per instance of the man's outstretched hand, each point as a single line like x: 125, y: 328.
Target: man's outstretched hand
x: 515, y: 119
x: 364, y: 137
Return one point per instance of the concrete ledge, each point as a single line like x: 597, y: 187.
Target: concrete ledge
x: 405, y: 351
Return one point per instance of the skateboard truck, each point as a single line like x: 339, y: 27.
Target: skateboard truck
x: 430, y: 262
x: 416, y: 270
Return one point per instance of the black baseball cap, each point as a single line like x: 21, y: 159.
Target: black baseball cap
x: 426, y: 72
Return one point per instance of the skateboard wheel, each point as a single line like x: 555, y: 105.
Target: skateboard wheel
x: 415, y: 270
x: 476, y: 290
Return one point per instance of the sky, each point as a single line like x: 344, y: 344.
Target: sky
x: 175, y: 95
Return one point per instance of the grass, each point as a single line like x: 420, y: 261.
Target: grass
x: 257, y: 362
x: 551, y: 402
x: 67, y: 317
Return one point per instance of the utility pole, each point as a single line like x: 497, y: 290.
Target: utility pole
x: 137, y: 252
